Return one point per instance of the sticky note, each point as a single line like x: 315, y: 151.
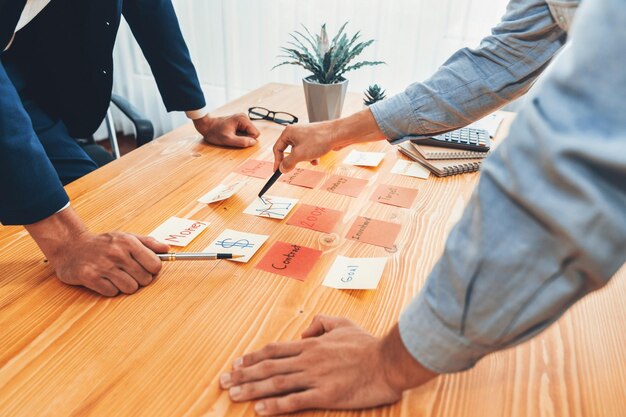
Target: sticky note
x: 316, y: 218
x: 238, y: 243
x: 256, y: 168
x: 349, y: 186
x: 410, y: 169
x: 365, y: 159
x: 355, y: 273
x: 374, y: 232
x: 303, y: 177
x: 394, y: 195
x: 222, y: 192
x: 271, y: 207
x: 289, y: 260
x: 178, y: 232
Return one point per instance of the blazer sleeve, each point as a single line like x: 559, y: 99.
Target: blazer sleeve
x: 155, y: 26
x: 31, y: 189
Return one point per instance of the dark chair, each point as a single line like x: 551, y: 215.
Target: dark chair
x: 144, y: 132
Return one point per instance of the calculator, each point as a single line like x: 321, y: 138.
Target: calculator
x: 467, y: 138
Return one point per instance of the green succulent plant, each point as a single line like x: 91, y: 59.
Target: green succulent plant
x: 373, y: 94
x: 327, y: 61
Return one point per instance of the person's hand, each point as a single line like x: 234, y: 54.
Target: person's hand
x: 311, y: 142
x: 308, y: 142
x: 337, y: 365
x: 236, y: 130
x: 109, y: 263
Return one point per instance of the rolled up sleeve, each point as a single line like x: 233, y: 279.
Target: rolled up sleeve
x: 475, y: 82
x: 547, y: 222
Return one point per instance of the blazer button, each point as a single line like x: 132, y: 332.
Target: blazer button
x: 104, y: 72
x: 108, y: 24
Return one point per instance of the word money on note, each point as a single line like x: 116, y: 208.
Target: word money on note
x: 222, y: 192
x: 410, y: 169
x: 271, y: 207
x: 178, y: 232
x: 394, y: 195
x: 316, y: 218
x: 289, y: 260
x: 355, y: 273
x: 239, y: 243
x: 256, y: 168
x: 303, y: 177
x: 374, y: 232
x: 349, y: 186
x: 364, y: 159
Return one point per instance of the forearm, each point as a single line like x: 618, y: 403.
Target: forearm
x: 357, y: 128
x: 401, y: 369
x: 547, y: 223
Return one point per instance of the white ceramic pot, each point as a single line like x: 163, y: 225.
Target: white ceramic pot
x: 324, y: 101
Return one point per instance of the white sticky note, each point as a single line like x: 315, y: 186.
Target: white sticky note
x: 410, y: 169
x: 238, y: 243
x: 355, y: 273
x: 178, y: 232
x: 271, y: 206
x: 365, y: 159
x: 222, y: 192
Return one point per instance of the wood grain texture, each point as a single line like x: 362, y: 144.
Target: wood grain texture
x: 67, y: 352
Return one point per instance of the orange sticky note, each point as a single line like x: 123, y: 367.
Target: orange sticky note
x: 349, y: 186
x: 289, y: 260
x: 316, y: 218
x: 394, y: 195
x: 374, y: 232
x: 256, y: 168
x: 303, y: 177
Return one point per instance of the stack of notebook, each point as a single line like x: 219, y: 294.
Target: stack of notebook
x: 448, y: 161
x: 443, y: 161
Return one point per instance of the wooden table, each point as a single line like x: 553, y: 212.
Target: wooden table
x: 66, y: 351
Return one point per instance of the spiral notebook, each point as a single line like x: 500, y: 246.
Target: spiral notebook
x: 437, y: 152
x: 441, y: 167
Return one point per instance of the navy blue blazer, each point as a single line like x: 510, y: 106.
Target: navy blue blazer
x: 65, y: 55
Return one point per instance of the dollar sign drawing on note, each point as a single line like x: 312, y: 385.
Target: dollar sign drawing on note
x: 230, y: 243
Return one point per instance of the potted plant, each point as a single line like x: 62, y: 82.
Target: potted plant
x: 373, y: 94
x: 326, y: 87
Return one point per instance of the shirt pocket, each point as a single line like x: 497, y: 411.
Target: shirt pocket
x: 563, y: 12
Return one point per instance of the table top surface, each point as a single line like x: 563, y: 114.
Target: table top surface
x: 159, y: 352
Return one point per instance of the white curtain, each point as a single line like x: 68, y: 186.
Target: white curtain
x: 234, y: 44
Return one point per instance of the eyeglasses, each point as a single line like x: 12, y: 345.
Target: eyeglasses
x: 261, y: 113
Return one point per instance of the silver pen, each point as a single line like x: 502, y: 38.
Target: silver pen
x: 196, y: 256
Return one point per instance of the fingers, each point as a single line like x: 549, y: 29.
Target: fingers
x: 304, y: 400
x: 124, y: 282
x: 279, y: 151
x: 269, y: 387
x: 262, y: 370
x: 271, y: 351
x: 288, y: 163
x: 322, y: 324
x: 144, y: 252
x: 244, y: 124
x: 103, y: 287
x: 240, y: 141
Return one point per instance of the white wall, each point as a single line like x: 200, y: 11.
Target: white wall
x: 235, y: 43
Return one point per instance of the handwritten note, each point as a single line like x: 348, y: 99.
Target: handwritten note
x: 365, y: 159
x: 289, y: 260
x: 317, y: 218
x: 394, y: 195
x: 355, y: 273
x: 303, y: 177
x: 349, y: 186
x: 375, y: 232
x: 410, y: 169
x: 256, y: 168
x: 178, y: 232
x: 238, y: 243
x: 222, y: 192
x: 271, y: 207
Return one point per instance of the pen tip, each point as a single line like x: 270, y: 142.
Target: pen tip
x: 238, y: 256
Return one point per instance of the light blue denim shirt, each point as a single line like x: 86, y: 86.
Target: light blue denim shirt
x: 546, y: 224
